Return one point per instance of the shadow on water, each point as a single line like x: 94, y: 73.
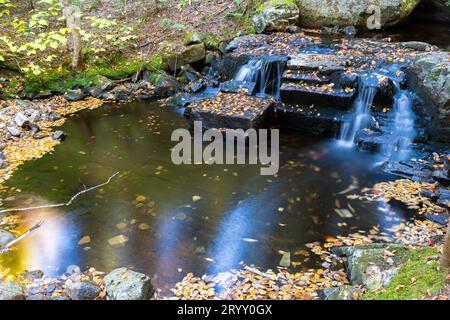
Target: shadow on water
x: 196, y: 218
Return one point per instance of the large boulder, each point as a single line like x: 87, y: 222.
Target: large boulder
x: 125, y: 284
x: 318, y: 13
x: 276, y: 15
x: 185, y: 55
x: 429, y: 77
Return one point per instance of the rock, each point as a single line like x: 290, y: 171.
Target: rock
x: 234, y: 86
x: 121, y: 93
x: 185, y: 55
x: 11, y: 290
x: 59, y: 135
x: 443, y: 197
x: 191, y: 37
x: 3, y: 164
x: 318, y: 13
x: 125, y: 284
x: 285, y: 260
x: 369, y: 265
x: 13, y: 131
x: 74, y: 95
x: 166, y: 85
x: 349, y: 31
x: 22, y: 120
x: 81, y: 290
x: 103, y: 84
x: 119, y: 240
x: 276, y: 15
x: 6, y: 237
x: 188, y: 74
x: 35, y: 116
x: 53, y: 117
x: 429, y: 77
x: 416, y: 45
x: 324, y: 63
x: 344, y: 292
x: 32, y: 275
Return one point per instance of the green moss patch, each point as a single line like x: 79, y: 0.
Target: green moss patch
x: 416, y: 278
x: 275, y: 4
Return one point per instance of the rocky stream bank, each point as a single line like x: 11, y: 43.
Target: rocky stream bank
x: 325, y: 75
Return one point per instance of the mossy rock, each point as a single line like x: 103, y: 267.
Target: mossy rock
x: 318, y: 13
x: 186, y: 55
x: 275, y: 15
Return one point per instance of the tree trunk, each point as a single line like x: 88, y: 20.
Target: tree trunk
x: 445, y: 258
x: 72, y: 14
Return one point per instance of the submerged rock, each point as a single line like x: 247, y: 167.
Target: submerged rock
x: 59, y: 135
x: 11, y: 290
x: 125, y: 284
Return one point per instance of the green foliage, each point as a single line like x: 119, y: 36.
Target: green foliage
x: 415, y: 279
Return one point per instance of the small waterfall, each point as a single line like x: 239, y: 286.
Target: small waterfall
x: 402, y: 131
x: 361, y: 115
x: 266, y: 72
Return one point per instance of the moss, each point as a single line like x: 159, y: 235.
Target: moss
x: 59, y: 81
x: 415, y: 279
x: 211, y: 40
x: 262, y: 5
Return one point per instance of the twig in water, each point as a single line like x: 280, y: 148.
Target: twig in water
x: 61, y: 204
x: 22, y: 236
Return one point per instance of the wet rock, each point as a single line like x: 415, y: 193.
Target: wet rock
x: 59, y: 135
x: 349, y: 31
x: 121, y: 93
x: 275, y: 16
x: 10, y: 290
x: 188, y: 74
x: 35, y: 116
x: 6, y: 237
x: 53, y: 117
x: 195, y: 86
x: 324, y: 63
x: 166, y: 85
x: 125, y: 284
x: 440, y: 218
x: 13, y: 131
x: 81, y: 290
x: 234, y: 86
x: 185, y: 55
x: 429, y: 78
x: 74, y: 95
x: 3, y: 164
x: 318, y: 13
x: 416, y: 45
x: 345, y: 292
x: 443, y: 197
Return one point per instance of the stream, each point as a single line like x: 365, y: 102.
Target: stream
x: 187, y: 218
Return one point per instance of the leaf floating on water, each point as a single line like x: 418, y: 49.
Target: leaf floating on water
x: 250, y: 240
x: 140, y: 198
x: 344, y: 213
x: 196, y: 198
x: 143, y: 226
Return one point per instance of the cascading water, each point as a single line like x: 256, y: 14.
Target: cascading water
x: 361, y: 115
x: 402, y: 128
x: 266, y: 72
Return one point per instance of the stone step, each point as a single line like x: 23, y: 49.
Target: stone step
x: 324, y: 95
x: 318, y: 121
x: 306, y: 77
x: 232, y: 111
x: 323, y: 63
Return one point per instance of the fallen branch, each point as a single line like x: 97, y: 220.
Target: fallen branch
x: 68, y: 203
x: 22, y: 236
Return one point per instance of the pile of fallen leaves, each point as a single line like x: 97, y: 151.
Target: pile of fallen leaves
x: 406, y: 191
x: 252, y: 284
x: 19, y: 150
x: 231, y: 104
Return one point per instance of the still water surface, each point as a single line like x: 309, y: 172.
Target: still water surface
x: 197, y: 218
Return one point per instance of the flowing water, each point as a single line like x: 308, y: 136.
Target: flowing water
x: 361, y: 115
x: 266, y: 72
x: 194, y: 218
